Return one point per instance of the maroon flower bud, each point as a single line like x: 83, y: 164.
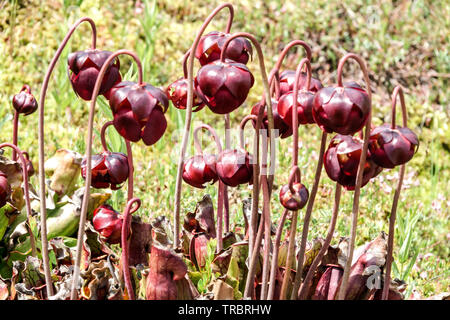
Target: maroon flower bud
x: 287, y: 78
x: 84, y: 67
x: 392, y: 147
x: 210, y: 47
x: 296, y: 201
x: 199, y: 170
x: 29, y: 164
x: 108, y: 223
x: 223, y: 86
x: 341, y: 109
x: 305, y: 103
x: 177, y: 92
x: 5, y: 189
x: 24, y: 102
x: 234, y: 167
x: 284, y: 130
x: 139, y: 111
x: 341, y: 161
x: 109, y: 170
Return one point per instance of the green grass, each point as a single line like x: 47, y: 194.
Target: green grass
x: 403, y: 43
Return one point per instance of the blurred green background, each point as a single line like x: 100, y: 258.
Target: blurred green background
x: 403, y: 42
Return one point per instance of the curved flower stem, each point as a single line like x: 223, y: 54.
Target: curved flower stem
x: 318, y: 259
x: 102, y: 134
x: 187, y: 122
x: 267, y: 172
x: 41, y: 173
x: 398, y: 91
x: 254, y: 258
x: 88, y: 155
x: 359, y: 175
x: 226, y: 203
x: 129, y: 158
x: 221, y: 193
x: 26, y: 193
x: 129, y: 210
x: 307, y: 219
x: 255, y: 193
x: 276, y: 249
x: 15, y: 131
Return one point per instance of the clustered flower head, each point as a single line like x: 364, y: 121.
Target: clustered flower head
x: 200, y: 169
x: 109, y: 170
x: 138, y: 111
x: 391, y: 147
x: 341, y: 161
x: 210, y: 48
x: 24, y: 102
x: 84, y: 67
x: 343, y: 110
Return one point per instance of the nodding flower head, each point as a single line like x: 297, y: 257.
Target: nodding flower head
x: 5, y: 189
x: 210, y: 47
x: 199, y: 170
x: 287, y: 79
x: 284, y: 129
x: 305, y: 101
x: 108, y: 222
x: 223, y: 86
x: 392, y: 147
x: 343, y: 110
x: 341, y: 161
x: 177, y: 92
x: 234, y: 167
x: 139, y: 111
x: 84, y: 67
x: 294, y: 201
x: 24, y: 102
x: 109, y: 170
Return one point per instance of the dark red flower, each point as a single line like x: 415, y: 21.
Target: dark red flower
x: 341, y: 109
x: 83, y: 68
x: 24, y: 102
x: 223, y: 86
x: 109, y: 170
x: 392, y: 147
x: 108, y: 222
x: 199, y: 170
x: 177, y: 92
x: 210, y: 47
x: 234, y: 167
x: 139, y: 111
x: 305, y: 101
x: 296, y: 202
x: 5, y: 189
x: 284, y: 130
x: 287, y: 79
x: 341, y: 161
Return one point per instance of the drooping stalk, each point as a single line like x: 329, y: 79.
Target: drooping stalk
x: 15, y: 131
x: 398, y: 91
x: 318, y: 259
x: 26, y: 190
x: 267, y: 172
x: 188, y: 118
x: 220, y: 200
x: 359, y: 175
x: 41, y: 173
x: 129, y: 158
x: 126, y: 224
x: 276, y: 250
x: 88, y: 155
